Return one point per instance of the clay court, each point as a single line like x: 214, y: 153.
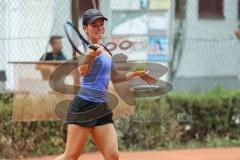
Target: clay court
x: 196, y: 154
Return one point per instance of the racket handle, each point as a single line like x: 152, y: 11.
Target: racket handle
x: 93, y: 47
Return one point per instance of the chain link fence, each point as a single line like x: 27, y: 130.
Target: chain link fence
x: 28, y: 26
x: 195, y: 45
x: 196, y: 42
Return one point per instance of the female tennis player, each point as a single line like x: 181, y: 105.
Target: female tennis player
x: 98, y: 70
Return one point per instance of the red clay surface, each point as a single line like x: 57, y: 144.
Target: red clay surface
x: 196, y: 154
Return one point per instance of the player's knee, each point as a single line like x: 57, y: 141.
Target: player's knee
x: 113, y: 155
x: 61, y: 157
x: 71, y: 156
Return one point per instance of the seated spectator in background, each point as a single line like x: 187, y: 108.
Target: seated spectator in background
x: 56, y: 53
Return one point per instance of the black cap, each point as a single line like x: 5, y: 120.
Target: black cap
x: 91, y: 15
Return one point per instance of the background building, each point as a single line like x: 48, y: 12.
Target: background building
x: 204, y: 48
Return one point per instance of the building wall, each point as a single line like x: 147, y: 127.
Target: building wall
x: 211, y: 50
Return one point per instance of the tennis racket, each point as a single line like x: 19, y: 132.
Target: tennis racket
x: 77, y: 39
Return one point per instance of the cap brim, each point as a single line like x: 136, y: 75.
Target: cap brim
x: 97, y: 17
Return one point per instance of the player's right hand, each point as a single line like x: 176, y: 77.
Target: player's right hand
x: 93, y: 52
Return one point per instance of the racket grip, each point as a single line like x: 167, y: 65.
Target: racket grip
x: 93, y: 47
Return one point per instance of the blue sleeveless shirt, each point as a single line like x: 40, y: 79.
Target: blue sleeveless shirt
x: 94, y: 85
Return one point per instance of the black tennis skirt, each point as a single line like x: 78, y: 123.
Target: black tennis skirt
x: 88, y: 113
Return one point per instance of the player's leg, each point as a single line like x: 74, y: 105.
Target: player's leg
x: 77, y: 137
x: 105, y: 137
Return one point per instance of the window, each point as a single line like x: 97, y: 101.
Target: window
x: 87, y: 4
x: 239, y: 9
x: 211, y: 8
x: 2, y: 76
x: 180, y: 9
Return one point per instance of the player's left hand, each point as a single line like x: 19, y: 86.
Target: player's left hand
x: 148, y: 79
x: 143, y: 75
